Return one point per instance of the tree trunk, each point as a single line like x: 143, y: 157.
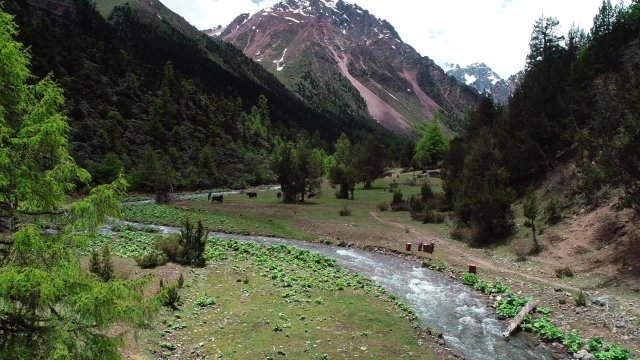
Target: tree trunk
x: 536, y: 246
x: 519, y: 318
x: 367, y: 184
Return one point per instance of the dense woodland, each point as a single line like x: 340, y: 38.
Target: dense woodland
x: 579, y: 100
x: 170, y: 110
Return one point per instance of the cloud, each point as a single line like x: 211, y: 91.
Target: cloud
x: 496, y: 32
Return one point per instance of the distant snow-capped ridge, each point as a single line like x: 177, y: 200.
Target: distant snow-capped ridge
x: 486, y: 81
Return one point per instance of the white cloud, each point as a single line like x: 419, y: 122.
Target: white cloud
x: 496, y: 32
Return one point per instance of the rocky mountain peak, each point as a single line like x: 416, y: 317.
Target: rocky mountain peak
x: 486, y: 81
x: 335, y: 51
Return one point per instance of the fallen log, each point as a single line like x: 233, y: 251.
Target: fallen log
x: 519, y: 318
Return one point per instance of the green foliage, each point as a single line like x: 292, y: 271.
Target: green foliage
x: 510, y: 305
x: 369, y: 159
x: 469, y: 279
x: 383, y: 206
x: 553, y: 212
x: 613, y: 352
x: 573, y: 341
x: 299, y: 170
x: 170, y: 296
x: 425, y: 191
x: 544, y: 40
x: 192, y: 243
x: 531, y: 212
x: 101, y: 263
x: 431, y: 148
x: 342, y: 173
x: 545, y: 329
x: 51, y: 308
x: 199, y: 116
x: 594, y: 344
x: 205, y: 301
x: 580, y: 299
x: 151, y: 259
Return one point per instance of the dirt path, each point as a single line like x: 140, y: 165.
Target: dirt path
x: 422, y: 235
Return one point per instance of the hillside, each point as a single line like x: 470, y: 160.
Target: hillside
x: 162, y: 91
x: 337, y: 50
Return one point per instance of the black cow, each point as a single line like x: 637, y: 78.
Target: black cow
x: 279, y: 194
x: 217, y: 198
x: 252, y: 194
x: 311, y: 195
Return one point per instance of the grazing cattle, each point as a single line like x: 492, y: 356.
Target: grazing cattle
x: 217, y: 198
x: 311, y: 195
x: 279, y: 194
x: 252, y: 194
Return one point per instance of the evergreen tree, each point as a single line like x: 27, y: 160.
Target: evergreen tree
x: 370, y: 159
x: 49, y: 307
x: 531, y: 213
x: 544, y: 40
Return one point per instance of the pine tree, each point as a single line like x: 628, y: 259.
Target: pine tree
x: 544, y: 40
x: 531, y: 213
x: 50, y: 308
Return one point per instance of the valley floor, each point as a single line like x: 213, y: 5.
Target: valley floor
x: 616, y: 319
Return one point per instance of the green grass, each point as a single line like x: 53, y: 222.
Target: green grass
x: 168, y: 215
x: 256, y: 302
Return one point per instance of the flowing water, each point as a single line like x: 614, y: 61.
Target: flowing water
x: 469, y: 326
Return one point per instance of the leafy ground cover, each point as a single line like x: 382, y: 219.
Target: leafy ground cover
x: 257, y: 302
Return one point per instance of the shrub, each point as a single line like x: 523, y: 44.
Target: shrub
x: 613, y: 352
x: 204, y: 301
x: 151, y: 259
x: 521, y: 251
x: 170, y: 247
x: 580, y: 299
x: 383, y: 206
x: 564, y: 272
x: 397, y: 198
x: 426, y: 191
x: 181, y: 281
x: 433, y: 217
x: 170, y: 296
x: 101, y: 264
x: 545, y: 328
x: 345, y: 211
x: 552, y: 212
x: 192, y: 241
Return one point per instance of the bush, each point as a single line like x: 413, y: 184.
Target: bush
x: 383, y: 206
x: 552, y: 212
x: 469, y: 279
x: 101, y: 264
x: 151, y: 259
x: 521, y: 251
x: 170, y: 296
x: 580, y: 299
x: 192, y: 241
x: 426, y: 191
x: 398, y: 203
x: 345, y: 211
x: 170, y: 247
x: 433, y: 217
x: 573, y: 341
x: 564, y: 272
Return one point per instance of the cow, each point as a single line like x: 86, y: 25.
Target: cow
x: 252, y: 194
x: 311, y: 195
x: 279, y: 194
x: 217, y: 198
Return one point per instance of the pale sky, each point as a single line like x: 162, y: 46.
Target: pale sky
x: 495, y: 32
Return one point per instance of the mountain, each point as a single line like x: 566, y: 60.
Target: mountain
x: 328, y: 50
x: 144, y: 91
x: 482, y: 78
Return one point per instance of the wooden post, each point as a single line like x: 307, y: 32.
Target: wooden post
x: 408, y: 247
x: 472, y: 269
x: 518, y: 319
x: 428, y: 248
x: 420, y: 246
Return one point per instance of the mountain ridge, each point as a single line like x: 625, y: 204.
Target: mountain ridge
x: 486, y: 81
x: 308, y: 44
